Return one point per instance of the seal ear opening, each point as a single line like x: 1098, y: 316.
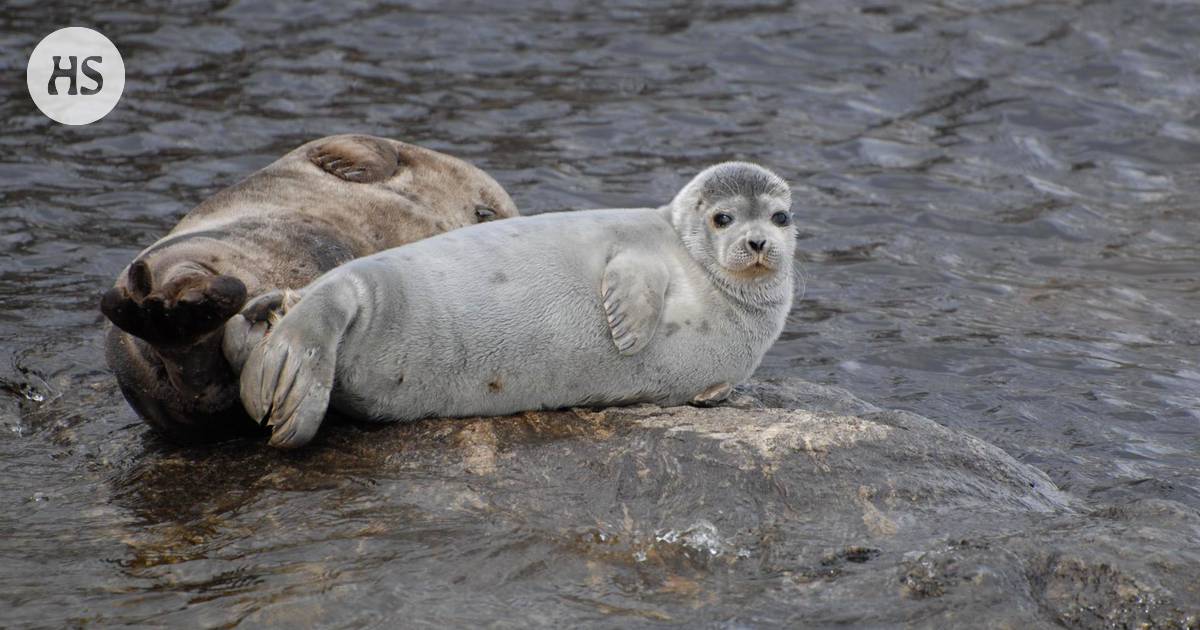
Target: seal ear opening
x: 356, y: 159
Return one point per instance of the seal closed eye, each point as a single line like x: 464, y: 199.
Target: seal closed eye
x: 484, y: 213
x: 578, y: 319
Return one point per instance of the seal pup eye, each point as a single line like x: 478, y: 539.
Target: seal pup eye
x: 484, y: 213
x: 722, y: 219
x: 782, y: 219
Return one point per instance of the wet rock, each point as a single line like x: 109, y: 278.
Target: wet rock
x: 792, y: 393
x: 752, y: 513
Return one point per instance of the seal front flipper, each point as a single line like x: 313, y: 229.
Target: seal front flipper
x: 191, y: 303
x: 633, y: 290
x: 358, y: 159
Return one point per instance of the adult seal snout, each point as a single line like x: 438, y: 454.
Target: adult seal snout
x: 323, y: 204
x: 602, y: 307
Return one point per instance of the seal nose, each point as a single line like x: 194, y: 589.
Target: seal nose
x: 757, y: 245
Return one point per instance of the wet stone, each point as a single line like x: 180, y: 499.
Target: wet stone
x: 750, y: 511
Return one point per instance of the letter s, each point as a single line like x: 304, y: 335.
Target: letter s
x: 92, y: 74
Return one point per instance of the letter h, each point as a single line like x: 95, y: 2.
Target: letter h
x: 60, y: 72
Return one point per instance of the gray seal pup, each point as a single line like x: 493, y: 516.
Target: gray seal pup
x: 591, y: 308
x: 327, y: 202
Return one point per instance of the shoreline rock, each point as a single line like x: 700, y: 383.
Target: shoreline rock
x: 749, y: 512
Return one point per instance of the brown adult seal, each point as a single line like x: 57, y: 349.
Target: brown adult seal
x: 325, y: 203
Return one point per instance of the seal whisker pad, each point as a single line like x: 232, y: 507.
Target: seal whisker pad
x: 670, y: 305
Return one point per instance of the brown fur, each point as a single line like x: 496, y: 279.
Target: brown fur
x: 327, y: 202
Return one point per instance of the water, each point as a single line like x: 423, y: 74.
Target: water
x: 999, y: 232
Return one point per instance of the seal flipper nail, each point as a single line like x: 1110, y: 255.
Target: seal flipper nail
x: 248, y: 328
x: 287, y: 379
x: 633, y: 289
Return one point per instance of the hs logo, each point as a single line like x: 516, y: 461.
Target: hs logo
x: 89, y: 71
x: 75, y: 76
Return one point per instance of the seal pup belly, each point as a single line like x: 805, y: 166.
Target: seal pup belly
x: 600, y: 307
x: 323, y: 204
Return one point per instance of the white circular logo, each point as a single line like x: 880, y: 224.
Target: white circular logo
x: 75, y: 76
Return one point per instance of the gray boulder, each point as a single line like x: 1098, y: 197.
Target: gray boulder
x: 754, y: 513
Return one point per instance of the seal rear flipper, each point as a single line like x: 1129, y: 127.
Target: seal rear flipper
x: 287, y: 380
x: 633, y: 290
x: 178, y: 312
x: 248, y: 328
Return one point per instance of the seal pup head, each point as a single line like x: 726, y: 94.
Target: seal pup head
x: 735, y: 218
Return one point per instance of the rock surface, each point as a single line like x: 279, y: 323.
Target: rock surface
x: 754, y: 513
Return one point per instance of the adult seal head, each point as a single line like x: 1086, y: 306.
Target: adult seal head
x: 667, y: 305
x: 323, y: 204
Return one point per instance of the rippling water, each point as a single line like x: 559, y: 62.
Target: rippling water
x: 997, y: 200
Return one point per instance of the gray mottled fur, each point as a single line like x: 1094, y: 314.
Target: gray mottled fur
x: 586, y: 308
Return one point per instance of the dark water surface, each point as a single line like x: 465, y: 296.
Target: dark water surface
x: 998, y: 201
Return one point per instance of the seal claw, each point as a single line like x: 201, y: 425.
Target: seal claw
x: 633, y: 291
x: 298, y: 428
x: 287, y: 379
x: 713, y: 396
x: 357, y: 159
x: 248, y: 328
